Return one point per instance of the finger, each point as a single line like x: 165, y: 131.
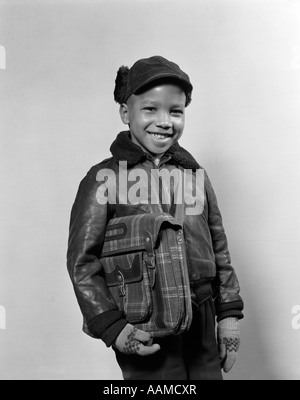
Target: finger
x: 230, y: 360
x: 148, y: 350
x: 142, y: 336
x: 222, y: 351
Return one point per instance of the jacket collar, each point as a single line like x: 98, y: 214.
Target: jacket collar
x: 123, y: 149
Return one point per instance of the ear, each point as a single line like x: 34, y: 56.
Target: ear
x: 124, y: 113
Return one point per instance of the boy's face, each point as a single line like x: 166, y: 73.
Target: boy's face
x: 155, y: 117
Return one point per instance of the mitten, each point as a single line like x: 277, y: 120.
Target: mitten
x: 228, y: 335
x: 132, y: 340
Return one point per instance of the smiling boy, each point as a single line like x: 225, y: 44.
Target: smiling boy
x: 153, y: 95
x: 155, y: 117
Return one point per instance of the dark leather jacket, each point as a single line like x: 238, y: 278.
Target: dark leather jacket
x: 210, y: 270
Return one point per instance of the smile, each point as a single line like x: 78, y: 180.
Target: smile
x: 160, y: 136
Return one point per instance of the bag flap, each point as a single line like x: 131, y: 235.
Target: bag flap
x: 134, y: 232
x: 123, y: 272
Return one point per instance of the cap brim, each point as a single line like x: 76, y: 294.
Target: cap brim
x: 186, y: 84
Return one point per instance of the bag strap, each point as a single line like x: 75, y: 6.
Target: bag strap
x: 150, y: 258
x: 179, y: 213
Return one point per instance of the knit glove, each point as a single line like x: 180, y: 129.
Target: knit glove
x: 228, y: 335
x: 132, y: 340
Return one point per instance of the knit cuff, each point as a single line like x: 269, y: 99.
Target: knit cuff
x: 232, y: 309
x: 111, y: 333
x: 230, y: 313
x: 99, y: 324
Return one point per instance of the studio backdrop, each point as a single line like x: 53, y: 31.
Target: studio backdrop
x: 58, y: 62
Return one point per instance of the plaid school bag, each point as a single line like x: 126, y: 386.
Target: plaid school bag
x: 146, y: 272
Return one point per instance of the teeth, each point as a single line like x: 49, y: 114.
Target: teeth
x: 156, y: 136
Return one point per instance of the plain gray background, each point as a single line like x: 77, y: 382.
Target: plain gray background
x: 58, y: 118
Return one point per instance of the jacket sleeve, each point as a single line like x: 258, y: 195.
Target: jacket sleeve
x: 228, y: 302
x: 101, y: 319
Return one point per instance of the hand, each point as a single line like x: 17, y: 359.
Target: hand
x: 228, y: 335
x: 132, y: 340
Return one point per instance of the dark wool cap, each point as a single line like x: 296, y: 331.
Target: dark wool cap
x: 151, y: 69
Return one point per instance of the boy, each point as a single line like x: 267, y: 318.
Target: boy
x: 153, y: 95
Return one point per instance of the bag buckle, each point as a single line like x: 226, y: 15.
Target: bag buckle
x: 121, y: 283
x: 149, y: 260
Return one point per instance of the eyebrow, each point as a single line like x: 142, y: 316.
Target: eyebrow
x: 155, y: 102
x: 149, y: 101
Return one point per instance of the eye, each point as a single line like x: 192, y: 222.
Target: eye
x: 177, y: 111
x: 150, y: 109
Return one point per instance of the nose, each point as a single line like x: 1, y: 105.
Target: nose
x: 163, y: 121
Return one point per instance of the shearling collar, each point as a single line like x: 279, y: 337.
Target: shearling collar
x: 124, y: 149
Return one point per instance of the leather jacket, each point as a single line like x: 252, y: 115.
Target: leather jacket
x: 209, y: 263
